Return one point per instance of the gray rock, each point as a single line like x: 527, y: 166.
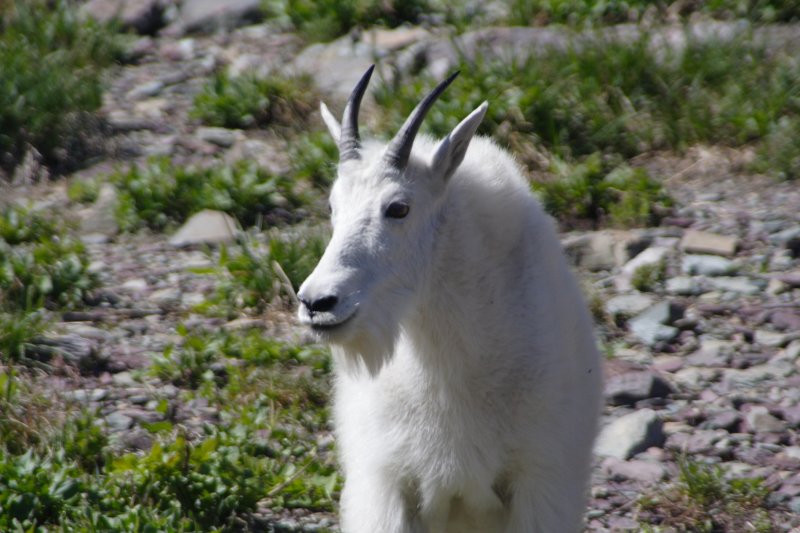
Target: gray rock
x: 739, y: 285
x: 759, y: 420
x: 87, y: 395
x: 631, y: 387
x: 337, y: 66
x: 601, y: 250
x: 728, y: 420
x: 206, y: 227
x: 647, y: 472
x: 684, y: 286
x: 119, y: 422
x: 706, y: 265
x: 701, y: 242
x: 792, y: 351
x: 774, y: 339
x: 786, y: 236
x: 630, y: 434
x: 142, y: 16
x: 712, y: 353
x: 219, y: 136
x: 213, y: 15
x: 100, y: 217
x: 649, y: 257
x: 145, y: 90
x: 652, y: 326
x: 627, y: 305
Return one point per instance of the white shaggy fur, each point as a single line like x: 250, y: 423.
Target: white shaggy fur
x: 468, y: 383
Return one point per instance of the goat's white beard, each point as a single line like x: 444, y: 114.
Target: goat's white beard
x: 368, y: 350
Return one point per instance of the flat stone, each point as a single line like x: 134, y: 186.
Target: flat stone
x: 647, y: 472
x: 792, y: 350
x: 142, y: 16
x: 712, y: 353
x: 652, y: 325
x: 627, y: 305
x: 119, y: 422
x: 338, y: 65
x: 684, y: 286
x: 213, y: 15
x: 601, y: 250
x: 785, y: 320
x: 774, y: 339
x: 219, y: 136
x: 206, y: 227
x: 695, y: 378
x: 706, y: 265
x: 631, y: 387
x: 701, y: 242
x: 739, y: 285
x: 100, y: 217
x: 630, y: 434
x: 759, y: 420
x: 728, y: 420
x: 649, y: 257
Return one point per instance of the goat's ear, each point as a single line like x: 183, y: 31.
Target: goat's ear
x: 330, y: 121
x: 450, y: 152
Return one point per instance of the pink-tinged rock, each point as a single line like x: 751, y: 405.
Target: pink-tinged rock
x: 701, y: 242
x: 647, y: 472
x: 785, y: 320
x: 758, y: 419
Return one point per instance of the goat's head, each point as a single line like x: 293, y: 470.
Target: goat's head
x: 385, y: 209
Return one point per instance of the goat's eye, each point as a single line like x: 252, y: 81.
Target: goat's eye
x: 397, y: 210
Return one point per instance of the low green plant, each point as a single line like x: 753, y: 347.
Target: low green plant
x: 705, y: 500
x: 323, y: 20
x: 647, y: 278
x: 37, y: 489
x: 614, y: 98
x: 19, y: 224
x: 161, y: 194
x: 51, y: 59
x: 779, y: 152
x: 51, y: 273
x: 84, y: 441
x: 188, y: 364
x: 314, y: 156
x: 250, y: 101
x: 84, y: 191
x: 598, y: 192
x: 255, y: 274
x: 17, y: 330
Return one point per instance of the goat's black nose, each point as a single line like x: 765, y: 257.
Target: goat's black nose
x: 320, y: 305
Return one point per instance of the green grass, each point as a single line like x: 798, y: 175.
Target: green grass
x: 324, y: 20
x: 314, y: 156
x: 601, y: 194
x: 160, y: 194
x: 617, y: 99
x: 249, y: 101
x: 592, y: 13
x: 40, y: 263
x: 704, y: 500
x: 256, y: 273
x: 64, y: 473
x: 51, y: 62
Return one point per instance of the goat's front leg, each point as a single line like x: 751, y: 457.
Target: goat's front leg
x: 372, y: 502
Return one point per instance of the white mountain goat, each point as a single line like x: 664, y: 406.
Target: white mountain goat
x: 468, y: 382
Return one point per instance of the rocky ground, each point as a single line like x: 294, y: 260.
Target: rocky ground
x: 705, y: 364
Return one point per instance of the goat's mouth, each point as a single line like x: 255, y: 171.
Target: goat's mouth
x: 331, y: 325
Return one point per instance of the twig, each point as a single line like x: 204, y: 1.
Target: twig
x: 287, y: 284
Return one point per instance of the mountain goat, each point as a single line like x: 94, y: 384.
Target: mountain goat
x: 467, y: 389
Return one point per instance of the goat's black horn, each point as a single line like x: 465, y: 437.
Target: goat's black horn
x: 399, y: 150
x: 349, y: 141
